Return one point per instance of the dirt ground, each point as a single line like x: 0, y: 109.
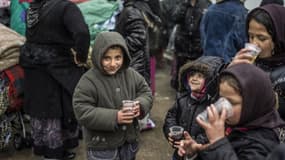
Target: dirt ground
x: 153, y: 144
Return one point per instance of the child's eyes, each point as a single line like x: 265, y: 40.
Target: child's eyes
x: 200, y: 75
x: 234, y: 103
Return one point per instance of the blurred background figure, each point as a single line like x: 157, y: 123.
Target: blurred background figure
x: 187, y: 43
x: 55, y: 45
x: 133, y: 23
x: 223, y: 29
x: 5, y: 12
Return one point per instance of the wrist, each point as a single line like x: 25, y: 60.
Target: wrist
x: 214, y: 140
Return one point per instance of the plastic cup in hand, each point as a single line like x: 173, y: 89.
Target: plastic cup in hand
x: 219, y: 105
x: 254, y: 50
x: 176, y: 133
x: 128, y: 105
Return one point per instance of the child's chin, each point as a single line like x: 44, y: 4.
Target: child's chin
x: 195, y: 90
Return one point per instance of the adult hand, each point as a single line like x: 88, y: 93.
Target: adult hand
x: 125, y: 117
x: 189, y: 146
x: 215, y: 127
x: 79, y: 60
x: 242, y: 57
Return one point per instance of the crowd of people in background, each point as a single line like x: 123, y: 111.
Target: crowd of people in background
x: 45, y: 71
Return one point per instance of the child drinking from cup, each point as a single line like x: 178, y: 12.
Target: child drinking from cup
x: 252, y: 129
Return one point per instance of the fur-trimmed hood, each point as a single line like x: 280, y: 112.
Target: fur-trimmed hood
x: 210, y: 66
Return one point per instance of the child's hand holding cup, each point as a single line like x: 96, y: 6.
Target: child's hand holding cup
x: 176, y: 135
x: 254, y: 50
x: 128, y: 105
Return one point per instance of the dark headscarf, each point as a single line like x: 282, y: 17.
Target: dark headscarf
x: 265, y: 2
x: 276, y: 13
x: 258, y: 105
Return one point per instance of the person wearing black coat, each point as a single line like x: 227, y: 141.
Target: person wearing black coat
x: 55, y: 28
x: 133, y: 24
x: 252, y: 130
x: 192, y: 101
x: 278, y: 153
x: 187, y: 14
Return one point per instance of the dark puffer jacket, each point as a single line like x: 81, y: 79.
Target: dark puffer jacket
x: 186, y: 108
x: 241, y: 145
x: 187, y: 39
x: 277, y: 76
x: 132, y: 26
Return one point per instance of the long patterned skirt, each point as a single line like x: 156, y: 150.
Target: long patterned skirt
x: 50, y: 139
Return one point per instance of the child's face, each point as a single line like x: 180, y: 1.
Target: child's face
x: 112, y: 60
x: 236, y: 100
x: 196, y: 81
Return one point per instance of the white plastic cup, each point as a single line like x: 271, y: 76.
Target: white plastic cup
x: 254, y: 50
x: 128, y: 105
x: 176, y: 132
x: 219, y: 104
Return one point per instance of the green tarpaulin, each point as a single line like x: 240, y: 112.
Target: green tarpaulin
x: 95, y: 13
x: 18, y: 13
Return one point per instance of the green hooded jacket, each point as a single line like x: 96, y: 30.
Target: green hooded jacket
x: 98, y: 97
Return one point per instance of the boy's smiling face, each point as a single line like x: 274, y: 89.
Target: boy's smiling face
x: 196, y: 81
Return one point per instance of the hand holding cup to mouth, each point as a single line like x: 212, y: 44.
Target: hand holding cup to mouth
x: 254, y: 50
x: 219, y: 105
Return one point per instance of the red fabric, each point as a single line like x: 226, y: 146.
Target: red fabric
x: 229, y: 130
x: 15, y: 76
x: 78, y: 1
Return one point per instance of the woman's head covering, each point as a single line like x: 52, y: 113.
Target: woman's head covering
x: 258, y: 97
x: 265, y: 2
x: 276, y: 14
